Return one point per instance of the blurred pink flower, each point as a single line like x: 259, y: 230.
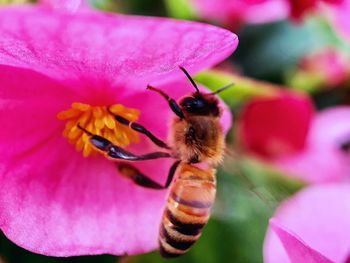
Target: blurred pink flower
x: 313, y: 226
x: 338, y: 10
x: 329, y: 64
x: 340, y: 18
x: 326, y: 68
x: 65, y: 5
x: 276, y: 126
x: 284, y: 132
x: 54, y: 201
x: 325, y: 157
x: 234, y: 13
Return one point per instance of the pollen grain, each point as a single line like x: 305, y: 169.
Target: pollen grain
x: 98, y: 120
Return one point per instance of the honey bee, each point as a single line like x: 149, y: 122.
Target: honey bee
x: 196, y: 137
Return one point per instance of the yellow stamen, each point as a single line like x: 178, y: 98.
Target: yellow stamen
x: 97, y: 120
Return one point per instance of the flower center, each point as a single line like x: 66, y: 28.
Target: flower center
x: 98, y: 120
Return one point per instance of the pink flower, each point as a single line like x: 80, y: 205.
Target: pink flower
x: 326, y: 68
x: 276, y: 126
x: 338, y: 10
x: 234, y: 13
x: 54, y: 201
x: 340, y: 19
x: 313, y: 226
x: 325, y: 158
x: 284, y: 132
x: 333, y: 65
x: 65, y: 5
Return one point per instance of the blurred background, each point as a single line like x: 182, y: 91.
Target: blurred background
x: 293, y: 51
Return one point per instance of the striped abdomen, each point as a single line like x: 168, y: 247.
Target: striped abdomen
x: 191, y: 197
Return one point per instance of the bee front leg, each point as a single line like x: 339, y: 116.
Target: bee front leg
x: 141, y: 179
x: 139, y: 128
x: 112, y: 151
x: 172, y: 103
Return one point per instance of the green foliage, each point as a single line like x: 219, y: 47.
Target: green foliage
x: 180, y: 9
x: 268, y: 182
x: 268, y: 51
x: 242, y: 88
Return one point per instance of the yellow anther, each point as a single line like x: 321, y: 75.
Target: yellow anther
x: 98, y: 120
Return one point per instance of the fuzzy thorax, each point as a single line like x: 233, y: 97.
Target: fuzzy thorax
x: 198, y: 139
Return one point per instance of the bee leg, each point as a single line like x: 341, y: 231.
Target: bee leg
x: 171, y: 173
x: 172, y: 103
x: 137, y: 177
x: 139, y: 128
x: 141, y: 179
x: 112, y: 151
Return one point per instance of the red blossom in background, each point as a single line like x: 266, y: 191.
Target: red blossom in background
x: 299, y: 8
x: 311, y: 226
x: 285, y: 132
x: 54, y: 201
x: 276, y: 126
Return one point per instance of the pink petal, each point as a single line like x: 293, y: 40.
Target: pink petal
x: 65, y: 5
x: 93, y: 49
x: 226, y: 118
x: 329, y: 64
x: 331, y: 127
x: 316, y: 165
x: 52, y: 200
x: 55, y: 202
x: 232, y: 13
x: 320, y: 217
x: 296, y: 249
x: 266, y: 124
x: 322, y: 160
x: 58, y: 203
x: 341, y: 19
x: 347, y: 259
x: 29, y: 102
x: 50, y: 192
x: 266, y: 11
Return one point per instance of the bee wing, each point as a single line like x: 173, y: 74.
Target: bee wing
x: 260, y: 178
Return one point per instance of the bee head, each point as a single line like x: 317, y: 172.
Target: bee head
x: 200, y: 104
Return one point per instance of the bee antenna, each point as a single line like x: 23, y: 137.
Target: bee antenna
x: 189, y: 77
x: 222, y: 89
x: 84, y: 130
